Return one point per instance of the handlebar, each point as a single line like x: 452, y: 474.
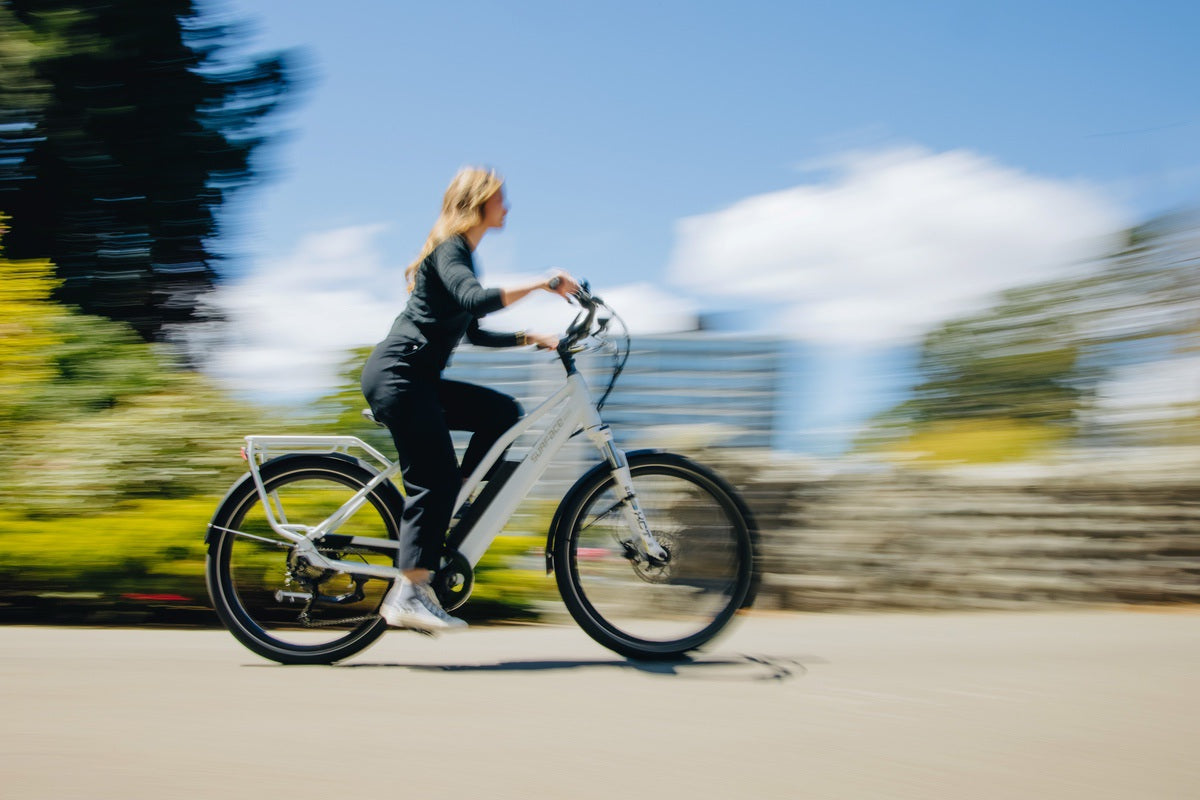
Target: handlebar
x: 585, y: 325
x: 581, y: 328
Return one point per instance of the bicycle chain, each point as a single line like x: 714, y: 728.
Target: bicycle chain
x: 313, y: 587
x: 311, y: 623
x: 304, y: 619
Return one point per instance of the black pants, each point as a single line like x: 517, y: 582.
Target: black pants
x: 420, y: 409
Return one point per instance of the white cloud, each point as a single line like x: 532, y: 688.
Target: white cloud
x: 293, y: 320
x: 892, y: 243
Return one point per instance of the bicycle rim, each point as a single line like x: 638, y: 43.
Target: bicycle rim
x: 264, y: 596
x: 647, y: 611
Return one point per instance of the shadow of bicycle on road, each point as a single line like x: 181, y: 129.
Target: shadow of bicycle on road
x: 747, y: 668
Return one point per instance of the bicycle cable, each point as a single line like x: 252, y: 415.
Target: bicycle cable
x: 619, y: 359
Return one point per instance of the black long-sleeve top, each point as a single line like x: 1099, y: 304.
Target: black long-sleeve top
x: 446, y: 302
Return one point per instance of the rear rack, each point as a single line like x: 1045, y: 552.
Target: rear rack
x: 260, y: 449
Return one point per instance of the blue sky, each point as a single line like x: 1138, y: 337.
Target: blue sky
x: 806, y: 163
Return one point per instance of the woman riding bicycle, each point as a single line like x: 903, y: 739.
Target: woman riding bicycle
x: 403, y: 384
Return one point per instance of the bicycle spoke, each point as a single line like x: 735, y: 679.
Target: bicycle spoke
x: 601, y: 515
x: 271, y: 597
x: 273, y: 542
x: 655, y: 607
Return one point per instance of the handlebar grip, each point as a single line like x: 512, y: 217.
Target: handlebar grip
x: 554, y: 282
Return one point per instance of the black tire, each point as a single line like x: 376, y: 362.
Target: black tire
x: 645, y: 612
x: 245, y: 574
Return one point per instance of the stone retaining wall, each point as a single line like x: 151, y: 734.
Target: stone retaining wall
x: 1083, y: 531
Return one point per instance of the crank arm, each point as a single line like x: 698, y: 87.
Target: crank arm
x: 287, y: 598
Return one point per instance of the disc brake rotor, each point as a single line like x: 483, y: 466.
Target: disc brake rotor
x: 653, y: 570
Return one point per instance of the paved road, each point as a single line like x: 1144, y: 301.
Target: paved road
x: 1032, y: 706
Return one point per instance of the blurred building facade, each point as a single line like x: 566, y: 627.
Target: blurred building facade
x: 697, y: 388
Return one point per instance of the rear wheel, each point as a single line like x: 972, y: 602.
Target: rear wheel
x: 637, y: 607
x: 269, y: 597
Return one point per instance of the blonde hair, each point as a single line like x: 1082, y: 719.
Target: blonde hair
x: 462, y: 209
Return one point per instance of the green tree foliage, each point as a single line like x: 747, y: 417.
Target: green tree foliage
x: 92, y: 417
x: 1019, y: 360
x: 1033, y: 363
x: 122, y: 132
x: 29, y: 333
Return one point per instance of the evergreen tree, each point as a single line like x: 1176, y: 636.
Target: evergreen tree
x: 121, y: 134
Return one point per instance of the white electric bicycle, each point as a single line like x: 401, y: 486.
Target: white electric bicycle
x: 653, y: 554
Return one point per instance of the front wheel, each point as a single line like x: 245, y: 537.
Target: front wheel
x: 639, y: 608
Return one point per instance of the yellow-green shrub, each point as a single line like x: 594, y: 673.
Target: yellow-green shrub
x: 978, y: 441
x: 155, y: 548
x: 147, y: 547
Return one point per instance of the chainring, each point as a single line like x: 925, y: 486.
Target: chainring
x: 454, y: 581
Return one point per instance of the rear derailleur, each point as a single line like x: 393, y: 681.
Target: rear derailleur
x: 309, y: 580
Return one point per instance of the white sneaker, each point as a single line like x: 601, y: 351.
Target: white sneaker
x: 415, y: 606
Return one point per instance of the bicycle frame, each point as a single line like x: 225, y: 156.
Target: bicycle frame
x: 568, y: 411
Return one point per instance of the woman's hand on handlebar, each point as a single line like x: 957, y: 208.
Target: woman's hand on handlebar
x: 559, y: 283
x: 544, y: 341
x: 562, y: 284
